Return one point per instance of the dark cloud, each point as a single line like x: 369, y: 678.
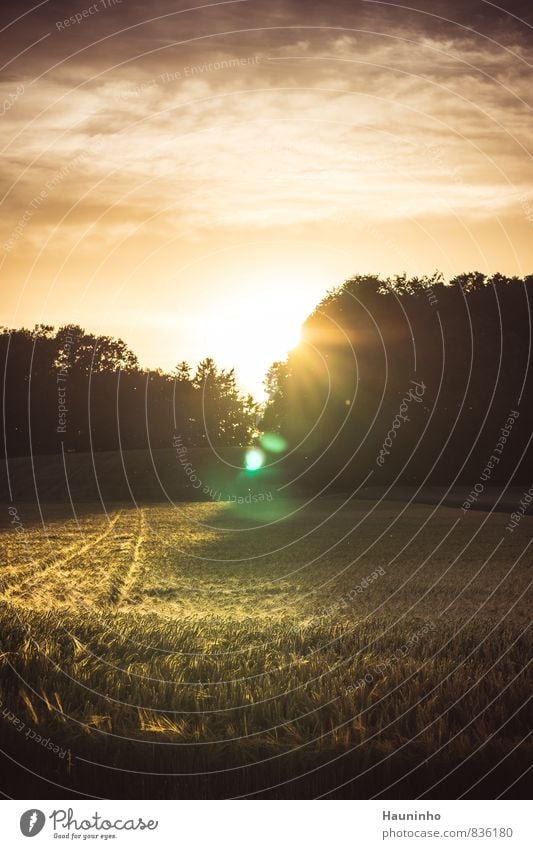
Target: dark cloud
x: 111, y: 31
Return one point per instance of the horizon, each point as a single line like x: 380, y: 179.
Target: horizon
x: 255, y: 389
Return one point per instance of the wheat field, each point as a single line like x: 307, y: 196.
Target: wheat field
x: 341, y: 648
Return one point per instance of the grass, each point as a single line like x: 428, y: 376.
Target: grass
x: 352, y: 649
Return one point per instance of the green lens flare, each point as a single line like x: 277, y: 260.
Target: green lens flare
x: 254, y: 459
x: 273, y: 442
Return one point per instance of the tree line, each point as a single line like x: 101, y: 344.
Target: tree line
x: 89, y: 393
x: 410, y: 379
x: 405, y: 379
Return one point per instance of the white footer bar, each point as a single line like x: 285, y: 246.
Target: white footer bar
x: 266, y: 824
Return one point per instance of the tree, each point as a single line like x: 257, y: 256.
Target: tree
x: 84, y: 392
x: 468, y: 342
x: 223, y: 414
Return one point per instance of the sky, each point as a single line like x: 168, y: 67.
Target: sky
x: 193, y: 177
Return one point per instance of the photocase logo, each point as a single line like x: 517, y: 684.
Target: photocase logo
x: 32, y: 822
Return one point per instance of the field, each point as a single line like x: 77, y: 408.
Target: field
x: 352, y: 648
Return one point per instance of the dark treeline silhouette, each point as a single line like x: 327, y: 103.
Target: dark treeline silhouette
x: 410, y: 380
x: 398, y: 379
x: 89, y: 393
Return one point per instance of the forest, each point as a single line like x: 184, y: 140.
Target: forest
x: 410, y: 380
x: 90, y: 393
x: 405, y: 379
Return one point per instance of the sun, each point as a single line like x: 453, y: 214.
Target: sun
x: 254, y: 331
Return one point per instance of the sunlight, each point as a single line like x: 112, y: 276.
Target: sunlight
x: 255, y: 330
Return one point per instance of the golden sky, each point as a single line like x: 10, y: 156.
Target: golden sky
x: 193, y: 177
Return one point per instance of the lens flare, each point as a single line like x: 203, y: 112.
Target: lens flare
x: 273, y: 442
x: 254, y: 459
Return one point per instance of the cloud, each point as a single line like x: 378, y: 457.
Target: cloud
x: 297, y: 119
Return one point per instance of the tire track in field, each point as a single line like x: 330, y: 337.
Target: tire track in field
x: 47, y: 558
x: 120, y: 593
x: 40, y: 575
